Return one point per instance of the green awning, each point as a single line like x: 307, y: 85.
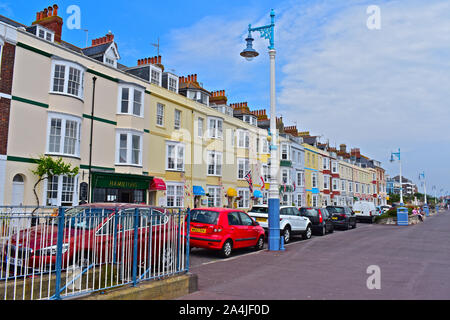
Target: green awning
x: 120, y: 181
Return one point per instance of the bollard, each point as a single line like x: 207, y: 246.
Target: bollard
x: 282, y: 243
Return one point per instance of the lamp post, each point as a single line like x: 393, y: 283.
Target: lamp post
x: 249, y: 53
x: 397, y: 154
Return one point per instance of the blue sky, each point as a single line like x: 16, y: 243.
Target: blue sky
x: 378, y: 90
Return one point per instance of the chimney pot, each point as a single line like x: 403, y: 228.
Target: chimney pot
x: 50, y: 11
x: 55, y: 10
x: 45, y: 13
x: 159, y: 59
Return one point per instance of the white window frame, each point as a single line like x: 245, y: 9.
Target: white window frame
x: 160, y: 106
x: 215, y: 132
x: 283, y: 172
x: 67, y: 66
x: 218, y: 164
x: 177, y: 146
x: 200, y: 127
x: 314, y: 180
x: 326, y: 182
x: 215, y: 192
x: 335, y: 184
x: 130, y: 133
x: 243, y: 139
x: 284, y: 154
x: 155, y: 81
x: 178, y: 194
x: 244, y: 202
x: 334, y: 167
x: 46, y: 33
x: 245, y: 163
x: 59, y: 190
x: 300, y: 179
x: 62, y: 142
x: 177, y: 119
x: 174, y: 78
x: 131, y: 93
x: 343, y: 185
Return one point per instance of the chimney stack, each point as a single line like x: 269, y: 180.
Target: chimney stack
x: 48, y: 18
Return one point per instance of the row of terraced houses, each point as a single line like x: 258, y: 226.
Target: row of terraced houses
x: 142, y: 134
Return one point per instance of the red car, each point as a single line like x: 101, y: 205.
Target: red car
x: 94, y: 234
x: 224, y: 230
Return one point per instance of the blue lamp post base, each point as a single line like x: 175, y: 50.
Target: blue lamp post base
x: 274, y: 225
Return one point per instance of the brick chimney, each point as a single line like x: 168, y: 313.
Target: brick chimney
x: 218, y: 97
x: 343, y: 148
x: 152, y: 60
x: 106, y: 39
x: 48, y: 18
x: 355, y: 152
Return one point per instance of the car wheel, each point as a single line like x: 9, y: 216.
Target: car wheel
x: 347, y: 226
x: 260, y: 244
x: 308, y: 233
x: 323, y: 231
x: 286, y: 234
x: 227, y: 249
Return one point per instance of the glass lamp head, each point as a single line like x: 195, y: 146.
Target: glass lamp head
x: 249, y: 53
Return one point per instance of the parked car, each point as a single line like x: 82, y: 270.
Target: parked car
x: 90, y: 232
x: 385, y: 208
x: 224, y: 230
x: 291, y: 222
x: 365, y: 211
x: 342, y: 217
x: 320, y: 219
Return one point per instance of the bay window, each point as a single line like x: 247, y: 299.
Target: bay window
x: 67, y: 78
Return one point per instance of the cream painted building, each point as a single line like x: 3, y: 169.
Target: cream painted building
x: 156, y: 138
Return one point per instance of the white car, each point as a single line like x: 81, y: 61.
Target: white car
x: 291, y: 222
x: 365, y: 211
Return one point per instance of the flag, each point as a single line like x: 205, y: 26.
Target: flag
x: 294, y: 186
x: 248, y: 178
x: 263, y: 186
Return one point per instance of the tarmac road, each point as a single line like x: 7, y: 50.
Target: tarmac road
x: 413, y: 262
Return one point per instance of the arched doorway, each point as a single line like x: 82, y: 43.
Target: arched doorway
x: 18, y: 187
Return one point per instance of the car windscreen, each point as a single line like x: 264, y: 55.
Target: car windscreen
x: 335, y: 210
x: 204, y: 216
x: 85, y: 218
x: 308, y: 212
x: 259, y: 210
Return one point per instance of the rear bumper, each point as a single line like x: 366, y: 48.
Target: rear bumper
x: 365, y: 218
x: 206, y: 242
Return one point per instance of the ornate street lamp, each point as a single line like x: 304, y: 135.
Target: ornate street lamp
x: 249, y: 53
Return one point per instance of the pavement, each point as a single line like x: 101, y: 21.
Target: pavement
x: 413, y: 262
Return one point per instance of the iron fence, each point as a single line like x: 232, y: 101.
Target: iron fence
x: 55, y: 253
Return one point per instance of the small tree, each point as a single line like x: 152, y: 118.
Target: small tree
x: 48, y: 167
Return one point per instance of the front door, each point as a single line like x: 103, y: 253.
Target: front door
x: 125, y: 196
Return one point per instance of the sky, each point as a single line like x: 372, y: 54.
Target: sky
x: 374, y: 89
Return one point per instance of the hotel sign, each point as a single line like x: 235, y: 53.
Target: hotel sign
x: 115, y: 181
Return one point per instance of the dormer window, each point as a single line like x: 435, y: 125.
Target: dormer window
x: 44, y: 33
x: 155, y: 75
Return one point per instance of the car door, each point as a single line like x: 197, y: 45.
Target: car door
x: 237, y: 231
x: 301, y: 222
x: 250, y: 230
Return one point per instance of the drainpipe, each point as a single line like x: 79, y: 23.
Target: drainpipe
x: 94, y: 79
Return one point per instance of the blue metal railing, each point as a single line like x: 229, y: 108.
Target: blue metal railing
x: 81, y: 250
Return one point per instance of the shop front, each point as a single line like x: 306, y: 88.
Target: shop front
x: 120, y: 188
